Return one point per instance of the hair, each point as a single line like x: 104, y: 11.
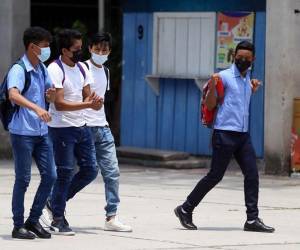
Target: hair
x: 65, y: 38
x: 245, y: 45
x: 100, y: 37
x: 36, y: 35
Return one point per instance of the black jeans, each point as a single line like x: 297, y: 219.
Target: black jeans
x: 225, y: 145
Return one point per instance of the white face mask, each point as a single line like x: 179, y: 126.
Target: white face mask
x: 99, y: 59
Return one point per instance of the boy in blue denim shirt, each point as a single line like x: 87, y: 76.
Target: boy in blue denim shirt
x: 29, y: 132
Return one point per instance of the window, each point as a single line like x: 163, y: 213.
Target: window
x: 184, y: 44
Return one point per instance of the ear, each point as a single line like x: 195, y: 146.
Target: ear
x: 31, y: 46
x: 64, y: 51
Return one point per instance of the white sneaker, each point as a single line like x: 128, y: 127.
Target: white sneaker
x: 45, y: 219
x: 115, y: 225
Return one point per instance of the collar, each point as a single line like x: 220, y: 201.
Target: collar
x: 28, y: 64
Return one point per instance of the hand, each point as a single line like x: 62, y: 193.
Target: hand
x: 50, y: 95
x: 213, y: 80
x: 255, y: 84
x: 43, y: 114
x: 96, y: 103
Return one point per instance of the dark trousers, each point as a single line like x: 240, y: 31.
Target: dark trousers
x: 225, y: 145
x: 71, y: 144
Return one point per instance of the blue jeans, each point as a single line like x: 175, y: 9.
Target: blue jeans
x: 108, y: 163
x: 225, y: 145
x: 24, y: 148
x: 70, y: 144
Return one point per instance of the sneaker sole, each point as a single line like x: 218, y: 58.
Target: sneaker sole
x: 55, y: 232
x: 22, y: 238
x: 177, y: 215
x: 258, y: 231
x: 114, y: 230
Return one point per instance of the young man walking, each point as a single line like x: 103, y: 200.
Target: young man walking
x: 231, y: 138
x: 29, y: 86
x: 100, y: 47
x: 72, y: 139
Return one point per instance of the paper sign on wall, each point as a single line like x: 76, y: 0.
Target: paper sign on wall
x: 233, y: 27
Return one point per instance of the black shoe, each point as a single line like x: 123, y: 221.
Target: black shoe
x: 49, y: 209
x: 186, y: 219
x: 258, y: 226
x: 22, y: 233
x: 59, y: 227
x: 37, y: 229
x: 66, y: 222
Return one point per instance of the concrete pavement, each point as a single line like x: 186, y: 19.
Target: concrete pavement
x: 148, y: 199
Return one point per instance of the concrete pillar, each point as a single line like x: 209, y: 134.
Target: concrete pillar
x: 101, y: 14
x: 282, y: 81
x: 14, y: 19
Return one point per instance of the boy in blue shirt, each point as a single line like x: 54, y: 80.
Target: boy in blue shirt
x: 29, y: 132
x: 231, y: 138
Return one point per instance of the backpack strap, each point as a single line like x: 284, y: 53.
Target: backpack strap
x: 26, y: 83
x: 27, y: 76
x: 59, y: 63
x: 86, y: 64
x: 106, y: 70
x: 81, y: 70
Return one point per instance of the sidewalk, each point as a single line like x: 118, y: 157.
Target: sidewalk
x: 148, y: 197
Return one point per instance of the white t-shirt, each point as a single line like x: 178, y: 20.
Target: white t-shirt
x: 73, y: 86
x: 97, y: 118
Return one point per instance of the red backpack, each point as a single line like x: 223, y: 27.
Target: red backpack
x: 208, y: 116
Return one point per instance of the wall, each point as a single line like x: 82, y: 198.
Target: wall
x: 14, y: 18
x: 282, y: 81
x: 171, y: 120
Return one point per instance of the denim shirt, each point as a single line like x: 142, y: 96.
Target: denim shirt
x: 233, y: 114
x: 26, y: 121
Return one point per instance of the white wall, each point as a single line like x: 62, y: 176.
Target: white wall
x: 14, y: 19
x: 282, y: 80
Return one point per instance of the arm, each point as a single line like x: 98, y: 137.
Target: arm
x: 86, y: 92
x: 88, y: 96
x: 50, y: 95
x: 211, y: 97
x: 91, y: 101
x: 17, y: 98
x: 62, y: 105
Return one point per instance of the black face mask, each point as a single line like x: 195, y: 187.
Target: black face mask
x: 242, y: 64
x: 77, y: 56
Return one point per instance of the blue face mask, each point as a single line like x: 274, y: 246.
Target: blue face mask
x: 45, y: 54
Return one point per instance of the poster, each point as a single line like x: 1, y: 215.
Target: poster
x: 232, y: 28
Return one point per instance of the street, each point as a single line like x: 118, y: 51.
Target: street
x: 148, y: 197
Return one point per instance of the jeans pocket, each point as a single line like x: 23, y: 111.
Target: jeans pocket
x: 107, y: 135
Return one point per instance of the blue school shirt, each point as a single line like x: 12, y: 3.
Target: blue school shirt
x: 26, y: 121
x: 233, y: 114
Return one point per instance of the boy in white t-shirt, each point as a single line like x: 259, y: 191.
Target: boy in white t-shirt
x: 72, y: 139
x: 100, y: 47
